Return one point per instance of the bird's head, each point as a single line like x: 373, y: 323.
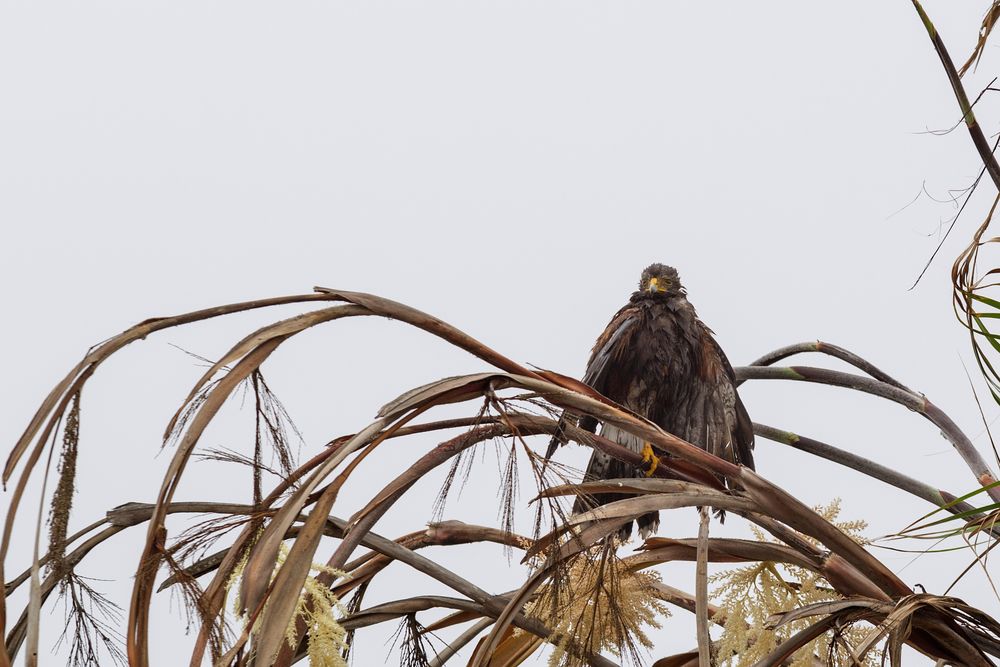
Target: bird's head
x: 660, y: 279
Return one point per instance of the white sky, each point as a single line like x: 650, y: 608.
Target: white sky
x: 510, y: 167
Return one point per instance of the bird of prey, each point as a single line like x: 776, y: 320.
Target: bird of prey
x: 659, y: 360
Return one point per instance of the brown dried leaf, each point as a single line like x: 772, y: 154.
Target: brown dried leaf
x: 689, y: 659
x: 989, y: 20
x: 512, y: 650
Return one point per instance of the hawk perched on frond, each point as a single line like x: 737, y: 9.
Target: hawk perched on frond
x: 659, y: 360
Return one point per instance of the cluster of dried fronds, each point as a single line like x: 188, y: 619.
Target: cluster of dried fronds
x: 581, y: 596
x: 805, y: 592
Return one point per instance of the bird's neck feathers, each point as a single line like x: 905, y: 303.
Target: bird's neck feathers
x: 676, y: 303
x: 673, y: 300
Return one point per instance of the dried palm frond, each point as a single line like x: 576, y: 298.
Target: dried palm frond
x: 91, y: 626
x: 351, y: 607
x: 989, y: 21
x: 461, y: 466
x: 272, y: 423
x: 223, y: 455
x: 415, y: 649
x: 582, y: 596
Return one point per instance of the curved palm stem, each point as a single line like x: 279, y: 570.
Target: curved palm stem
x: 933, y: 495
x: 915, y: 402
x: 836, y: 351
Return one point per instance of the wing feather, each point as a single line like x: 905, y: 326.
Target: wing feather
x: 608, y: 348
x: 728, y: 429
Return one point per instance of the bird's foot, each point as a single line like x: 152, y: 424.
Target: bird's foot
x: 650, y: 459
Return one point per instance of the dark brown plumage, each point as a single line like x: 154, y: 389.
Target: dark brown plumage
x: 659, y: 360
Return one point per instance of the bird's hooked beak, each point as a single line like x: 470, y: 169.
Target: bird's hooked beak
x: 654, y: 286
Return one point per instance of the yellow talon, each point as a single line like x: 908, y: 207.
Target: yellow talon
x: 649, y: 458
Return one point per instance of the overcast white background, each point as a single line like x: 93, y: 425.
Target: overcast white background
x: 507, y: 166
